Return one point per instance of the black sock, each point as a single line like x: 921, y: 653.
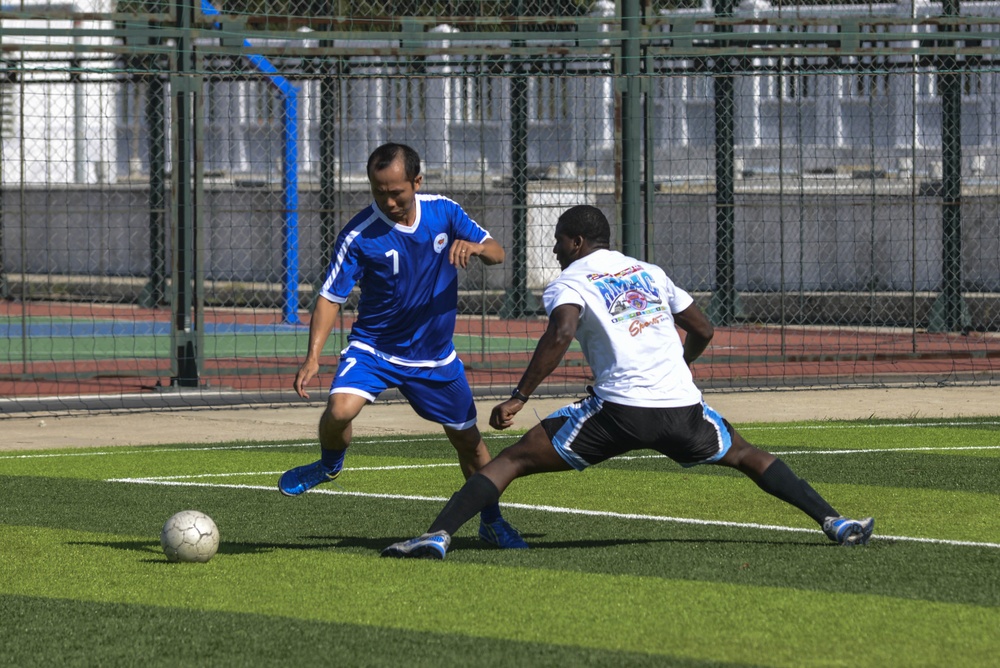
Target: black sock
x: 779, y: 480
x: 477, y: 493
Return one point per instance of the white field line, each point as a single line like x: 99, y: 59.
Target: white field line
x: 862, y: 425
x: 398, y: 467
x: 145, y: 450
x: 560, y: 510
x: 782, y: 453
x: 351, y: 469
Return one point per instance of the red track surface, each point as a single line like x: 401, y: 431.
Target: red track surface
x: 747, y: 356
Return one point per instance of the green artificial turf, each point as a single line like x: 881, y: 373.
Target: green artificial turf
x: 635, y: 562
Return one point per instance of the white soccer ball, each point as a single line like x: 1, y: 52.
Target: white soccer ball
x: 190, y: 536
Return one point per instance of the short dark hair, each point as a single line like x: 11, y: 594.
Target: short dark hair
x: 385, y: 154
x: 585, y: 221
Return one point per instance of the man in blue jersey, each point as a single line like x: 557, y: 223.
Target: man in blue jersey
x: 624, y: 312
x: 404, y: 249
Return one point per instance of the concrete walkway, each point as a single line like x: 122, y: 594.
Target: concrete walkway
x: 212, y: 425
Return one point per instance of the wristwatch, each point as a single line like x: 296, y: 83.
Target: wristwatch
x: 519, y: 395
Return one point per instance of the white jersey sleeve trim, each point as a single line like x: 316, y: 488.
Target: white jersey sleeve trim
x: 333, y: 298
x: 338, y: 261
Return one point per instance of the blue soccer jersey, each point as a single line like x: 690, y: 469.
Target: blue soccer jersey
x: 409, y: 289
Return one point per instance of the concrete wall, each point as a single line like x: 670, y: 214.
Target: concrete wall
x: 824, y: 240
x: 835, y: 239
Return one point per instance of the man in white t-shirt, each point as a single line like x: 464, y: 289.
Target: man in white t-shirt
x: 623, y: 312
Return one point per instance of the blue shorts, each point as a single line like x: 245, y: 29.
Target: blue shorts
x: 592, y: 431
x: 439, y: 394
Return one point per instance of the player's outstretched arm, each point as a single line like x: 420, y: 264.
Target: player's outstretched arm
x: 492, y: 253
x: 699, y: 331
x: 551, y: 348
x: 489, y: 252
x: 324, y: 317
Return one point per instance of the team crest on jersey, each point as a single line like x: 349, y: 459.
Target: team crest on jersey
x: 629, y: 293
x: 440, y: 241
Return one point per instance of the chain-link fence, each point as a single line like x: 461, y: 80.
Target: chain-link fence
x: 824, y: 179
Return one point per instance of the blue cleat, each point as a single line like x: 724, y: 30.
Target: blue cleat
x: 501, y: 534
x: 848, y: 532
x: 303, y: 478
x: 427, y: 546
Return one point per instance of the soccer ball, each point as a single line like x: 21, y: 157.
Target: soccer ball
x: 190, y: 535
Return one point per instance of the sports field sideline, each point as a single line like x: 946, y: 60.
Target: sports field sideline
x: 209, y: 425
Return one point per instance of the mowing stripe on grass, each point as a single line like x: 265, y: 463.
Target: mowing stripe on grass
x: 554, y: 509
x: 399, y: 467
x: 774, y: 450
x: 722, y: 622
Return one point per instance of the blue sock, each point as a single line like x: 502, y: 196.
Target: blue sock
x: 490, y: 513
x: 333, y: 460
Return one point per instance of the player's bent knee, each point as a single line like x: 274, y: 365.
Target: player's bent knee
x: 342, y: 408
x: 337, y: 419
x: 736, y: 453
x: 747, y: 458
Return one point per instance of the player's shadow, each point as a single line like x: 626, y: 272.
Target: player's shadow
x: 142, y: 546
x: 155, y: 550
x: 537, y: 542
x: 473, y: 543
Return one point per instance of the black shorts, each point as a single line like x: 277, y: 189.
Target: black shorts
x: 592, y: 430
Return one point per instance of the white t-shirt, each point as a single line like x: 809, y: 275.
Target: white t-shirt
x: 627, y: 328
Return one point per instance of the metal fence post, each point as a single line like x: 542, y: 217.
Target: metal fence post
x: 328, y: 191
x: 949, y: 312
x: 632, y: 126
x: 519, y: 301
x: 185, y: 334
x: 6, y: 76
x: 723, y: 307
x: 155, y: 291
